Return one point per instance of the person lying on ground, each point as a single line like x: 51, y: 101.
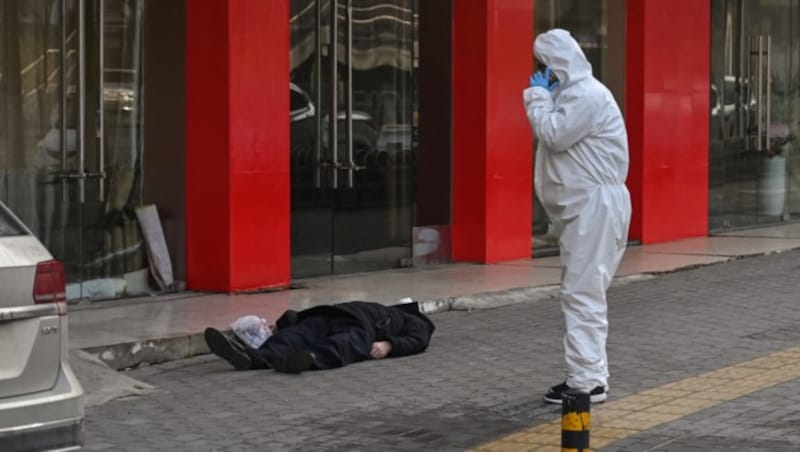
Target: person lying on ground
x: 331, y: 336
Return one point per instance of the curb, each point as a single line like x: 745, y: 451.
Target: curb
x: 156, y: 351
x: 129, y: 355
x: 508, y: 297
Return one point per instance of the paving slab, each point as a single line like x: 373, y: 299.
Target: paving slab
x: 126, y: 333
x: 709, y: 358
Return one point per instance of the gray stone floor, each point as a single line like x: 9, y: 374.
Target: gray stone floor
x: 485, y: 373
x: 765, y: 421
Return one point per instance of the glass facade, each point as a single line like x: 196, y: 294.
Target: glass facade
x: 599, y: 28
x: 755, y: 113
x: 72, y: 161
x: 70, y: 135
x: 352, y: 183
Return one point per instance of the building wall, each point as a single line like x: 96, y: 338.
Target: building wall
x: 666, y: 105
x: 667, y: 115
x: 492, y: 158
x: 164, y: 180
x: 237, y: 145
x: 433, y: 178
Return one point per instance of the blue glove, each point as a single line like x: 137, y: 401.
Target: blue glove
x: 543, y: 80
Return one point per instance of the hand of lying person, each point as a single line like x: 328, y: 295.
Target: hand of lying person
x: 380, y: 349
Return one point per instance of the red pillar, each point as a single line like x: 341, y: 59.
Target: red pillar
x: 492, y: 144
x: 667, y: 115
x: 237, y: 144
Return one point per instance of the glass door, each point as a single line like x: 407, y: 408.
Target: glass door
x: 34, y: 143
x: 352, y: 115
x: 755, y: 101
x: 599, y: 28
x: 113, y: 261
x: 70, y: 142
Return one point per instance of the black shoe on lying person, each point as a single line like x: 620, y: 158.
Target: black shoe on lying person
x: 226, y: 349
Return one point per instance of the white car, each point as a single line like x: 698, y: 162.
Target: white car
x: 41, y: 400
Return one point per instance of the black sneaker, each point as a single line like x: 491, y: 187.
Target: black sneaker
x: 237, y: 342
x: 295, y: 363
x: 257, y: 361
x: 554, y: 395
x: 223, y: 347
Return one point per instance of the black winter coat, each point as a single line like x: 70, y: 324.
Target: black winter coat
x: 404, y: 326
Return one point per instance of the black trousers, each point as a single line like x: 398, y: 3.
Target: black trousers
x: 335, y: 341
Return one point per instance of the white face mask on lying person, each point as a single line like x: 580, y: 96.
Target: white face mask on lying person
x: 252, y: 330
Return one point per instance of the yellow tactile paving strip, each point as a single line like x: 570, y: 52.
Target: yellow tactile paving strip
x: 616, y: 420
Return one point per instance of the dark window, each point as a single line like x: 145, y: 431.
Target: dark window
x: 297, y: 101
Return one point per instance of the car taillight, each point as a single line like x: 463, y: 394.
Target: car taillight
x: 49, y: 285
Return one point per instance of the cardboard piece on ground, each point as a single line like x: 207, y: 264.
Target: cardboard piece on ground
x: 156, y: 246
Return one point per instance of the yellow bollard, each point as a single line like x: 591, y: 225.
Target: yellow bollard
x: 575, y: 422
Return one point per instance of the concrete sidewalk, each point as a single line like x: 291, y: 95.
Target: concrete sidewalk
x: 126, y: 333
x: 701, y: 360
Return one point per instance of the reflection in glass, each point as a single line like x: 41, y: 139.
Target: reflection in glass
x: 599, y: 28
x: 754, y: 121
x: 30, y: 87
x: 352, y: 198
x: 112, y: 244
x: 70, y: 127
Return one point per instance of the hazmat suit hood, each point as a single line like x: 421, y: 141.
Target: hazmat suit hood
x: 562, y: 54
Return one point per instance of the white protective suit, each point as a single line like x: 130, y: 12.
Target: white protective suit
x: 581, y: 166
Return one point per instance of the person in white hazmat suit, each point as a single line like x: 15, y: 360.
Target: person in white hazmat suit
x: 581, y: 166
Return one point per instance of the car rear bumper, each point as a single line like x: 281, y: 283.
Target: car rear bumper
x: 62, y: 435
x: 48, y: 420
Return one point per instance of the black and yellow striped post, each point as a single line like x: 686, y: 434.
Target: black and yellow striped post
x: 575, y: 422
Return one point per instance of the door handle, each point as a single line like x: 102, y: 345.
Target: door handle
x: 761, y: 58
x: 68, y: 175
x: 348, y: 162
x: 763, y: 85
x: 350, y: 165
x: 81, y: 174
x: 768, y: 93
x: 752, y: 91
x: 318, y: 96
x: 333, y: 116
x: 101, y: 141
x: 63, y: 93
x: 81, y: 135
x: 760, y: 92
